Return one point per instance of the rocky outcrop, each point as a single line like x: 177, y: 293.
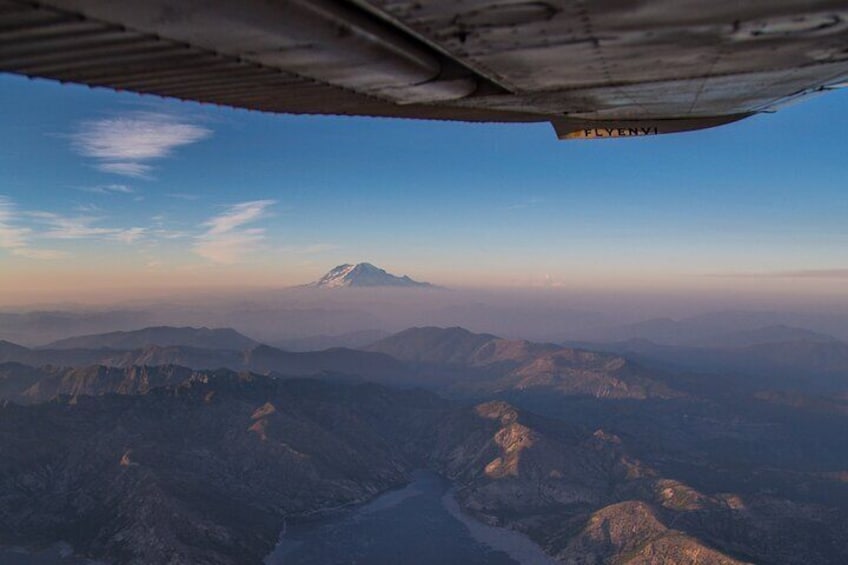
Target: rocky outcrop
x: 631, y: 532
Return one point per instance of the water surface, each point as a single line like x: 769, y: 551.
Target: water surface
x: 420, y: 524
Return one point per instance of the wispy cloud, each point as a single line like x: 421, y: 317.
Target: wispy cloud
x: 88, y: 208
x: 170, y: 234
x: 11, y: 236
x: 126, y: 168
x: 126, y: 145
x: 129, y: 235
x: 68, y: 227
x: 16, y: 238
x: 226, y: 240
x: 83, y: 227
x: 108, y: 189
x: 237, y: 216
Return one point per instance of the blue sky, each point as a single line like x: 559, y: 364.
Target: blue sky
x: 103, y: 189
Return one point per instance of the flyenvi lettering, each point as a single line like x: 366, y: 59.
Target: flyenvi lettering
x: 620, y: 132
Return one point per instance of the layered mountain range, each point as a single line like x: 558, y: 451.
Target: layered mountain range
x: 163, y: 336
x: 451, y: 360
x: 598, y: 459
x: 198, y: 348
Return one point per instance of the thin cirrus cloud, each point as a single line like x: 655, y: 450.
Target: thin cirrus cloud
x: 227, y: 240
x: 83, y: 227
x: 127, y: 145
x: 108, y: 189
x: 11, y: 236
x: 16, y: 238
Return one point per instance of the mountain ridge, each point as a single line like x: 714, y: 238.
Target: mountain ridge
x: 162, y: 336
x: 259, y: 358
x: 484, y: 363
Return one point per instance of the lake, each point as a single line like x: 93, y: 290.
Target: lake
x: 420, y: 524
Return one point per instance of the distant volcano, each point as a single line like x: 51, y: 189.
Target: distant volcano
x: 364, y: 275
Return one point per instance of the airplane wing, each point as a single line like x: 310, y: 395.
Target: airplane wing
x: 592, y: 68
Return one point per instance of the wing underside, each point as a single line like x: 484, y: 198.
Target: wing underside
x: 594, y: 69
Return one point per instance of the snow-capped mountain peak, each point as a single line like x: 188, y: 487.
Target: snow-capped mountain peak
x: 363, y: 274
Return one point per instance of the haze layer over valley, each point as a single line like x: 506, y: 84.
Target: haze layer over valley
x: 334, y: 316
